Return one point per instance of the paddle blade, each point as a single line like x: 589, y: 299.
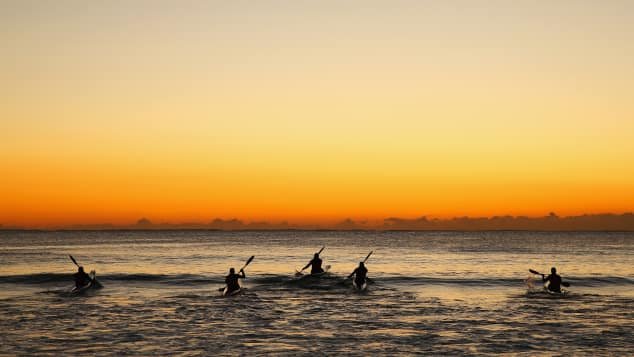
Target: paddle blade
x: 249, y: 260
x: 534, y: 272
x: 73, y: 259
x: 566, y: 284
x: 368, y: 256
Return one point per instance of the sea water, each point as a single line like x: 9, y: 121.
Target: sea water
x: 430, y: 292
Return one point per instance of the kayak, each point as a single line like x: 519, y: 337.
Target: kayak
x: 361, y: 288
x: 560, y: 293
x: 544, y: 292
x: 555, y: 293
x: 81, y: 290
x: 93, y: 285
x: 227, y: 293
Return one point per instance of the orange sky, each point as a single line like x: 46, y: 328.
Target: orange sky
x: 314, y: 111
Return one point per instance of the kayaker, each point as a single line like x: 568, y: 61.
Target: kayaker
x: 81, y: 278
x: 316, y: 265
x: 360, y: 274
x: 554, y: 280
x: 232, y: 280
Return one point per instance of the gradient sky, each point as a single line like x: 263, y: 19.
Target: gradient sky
x: 313, y: 110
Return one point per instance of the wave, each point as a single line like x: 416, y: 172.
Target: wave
x: 39, y: 278
x: 45, y: 278
x: 575, y: 281
x: 273, y: 279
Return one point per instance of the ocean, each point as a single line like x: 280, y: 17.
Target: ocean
x: 435, y: 293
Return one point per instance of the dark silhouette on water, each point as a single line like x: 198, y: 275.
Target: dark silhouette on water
x: 81, y: 278
x: 316, y: 263
x: 554, y: 280
x: 232, y: 280
x: 360, y: 274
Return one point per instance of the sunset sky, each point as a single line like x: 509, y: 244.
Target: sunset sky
x: 313, y: 111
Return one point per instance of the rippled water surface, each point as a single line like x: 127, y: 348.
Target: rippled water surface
x: 432, y: 292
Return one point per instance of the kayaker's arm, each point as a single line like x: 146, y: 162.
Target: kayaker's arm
x: 307, y: 265
x: 243, y: 276
x: 351, y: 274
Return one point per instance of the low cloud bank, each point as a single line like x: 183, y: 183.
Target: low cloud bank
x: 551, y: 222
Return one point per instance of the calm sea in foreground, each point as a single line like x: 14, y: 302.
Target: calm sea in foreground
x: 432, y: 292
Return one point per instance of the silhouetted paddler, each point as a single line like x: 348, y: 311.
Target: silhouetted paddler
x: 554, y: 280
x: 316, y: 265
x: 81, y: 278
x: 232, y: 280
x: 360, y: 274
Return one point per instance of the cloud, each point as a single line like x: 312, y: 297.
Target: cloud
x: 144, y: 222
x: 231, y: 224
x: 347, y: 224
x: 551, y: 222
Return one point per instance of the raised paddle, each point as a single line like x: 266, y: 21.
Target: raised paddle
x: 564, y: 283
x: 535, y: 272
x: 368, y: 256
x: 73, y: 259
x: 248, y: 262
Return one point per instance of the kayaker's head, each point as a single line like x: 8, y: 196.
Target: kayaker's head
x: 316, y: 255
x: 232, y: 271
x: 553, y: 270
x: 80, y: 269
x: 361, y: 264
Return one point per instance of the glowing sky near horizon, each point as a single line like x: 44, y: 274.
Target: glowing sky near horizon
x: 313, y: 111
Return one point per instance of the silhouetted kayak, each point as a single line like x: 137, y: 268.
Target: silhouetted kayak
x: 361, y: 288
x: 227, y: 293
x: 93, y: 285
x: 555, y: 293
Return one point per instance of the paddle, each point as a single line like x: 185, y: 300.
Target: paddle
x: 244, y: 266
x: 298, y: 273
x: 248, y: 262
x: 564, y: 283
x: 368, y: 256
x: 73, y: 259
